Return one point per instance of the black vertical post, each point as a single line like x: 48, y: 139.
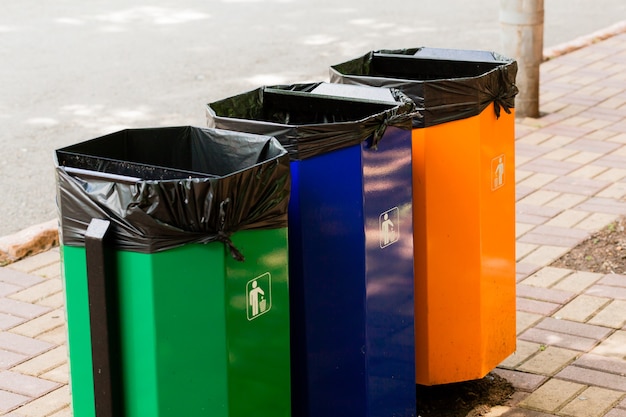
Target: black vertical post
x: 99, y: 317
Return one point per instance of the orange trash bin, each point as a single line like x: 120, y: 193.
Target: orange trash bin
x: 463, y: 203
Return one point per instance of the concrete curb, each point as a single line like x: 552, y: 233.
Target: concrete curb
x: 28, y: 242
x: 581, y: 42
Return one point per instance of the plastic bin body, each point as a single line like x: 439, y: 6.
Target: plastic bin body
x: 186, y: 344
x: 351, y: 290
x: 464, y: 210
x: 192, y: 331
x: 465, y: 248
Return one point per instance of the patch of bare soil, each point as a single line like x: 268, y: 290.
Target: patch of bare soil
x: 604, y: 252
x: 463, y: 399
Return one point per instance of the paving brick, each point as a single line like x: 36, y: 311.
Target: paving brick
x: 597, y: 221
x: 43, y: 363
x: 582, y: 308
x: 517, y: 412
x: 613, y: 315
x: 520, y: 229
x: 568, y: 218
x: 523, y: 351
x: 50, y: 271
x: 584, y: 157
x: 39, y: 291
x: 525, y: 150
x: 10, y: 359
x: 616, y: 191
x: 552, y: 395
x: 10, y: 400
x: 545, y: 212
x: 523, y: 249
x: 602, y: 363
x: 522, y: 191
x: 597, y: 146
x: 23, y: 345
x: 537, y: 180
x: 48, y: 404
x: 524, y: 270
x: 588, y: 171
x: 558, y: 141
x: 612, y: 161
x: 41, y: 324
x: 53, y: 301
x: 25, y: 384
x: 545, y: 255
x: 8, y: 321
x: 55, y: 336
x: 616, y: 413
x: 11, y: 276
x: 615, y: 280
x: 603, y: 205
x: 574, y: 328
x: 535, y: 237
x: 6, y: 289
x: 21, y: 309
x: 549, y: 361
x: 606, y: 291
x: 556, y: 236
x: 614, y: 346
x: 539, y: 197
x: 592, y: 402
x: 544, y: 294
x: 60, y: 374
x: 619, y: 138
x: 563, y: 129
x: 520, y: 174
x: 523, y: 381
x: 577, y: 281
x: 560, y: 154
x: 577, y: 185
x: 33, y: 263
x: 592, y: 377
x: 535, y: 138
x: 552, y: 338
x: 525, y: 320
x: 547, y: 277
x: 66, y: 412
x: 535, y: 306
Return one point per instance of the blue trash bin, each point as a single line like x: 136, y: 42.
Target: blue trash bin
x: 350, y: 241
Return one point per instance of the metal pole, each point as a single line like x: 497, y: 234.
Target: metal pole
x: 522, y: 39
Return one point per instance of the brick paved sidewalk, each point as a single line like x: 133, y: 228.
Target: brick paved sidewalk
x: 571, y: 181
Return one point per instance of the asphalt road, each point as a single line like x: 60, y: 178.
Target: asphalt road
x: 72, y: 71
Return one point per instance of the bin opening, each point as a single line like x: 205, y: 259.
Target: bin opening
x: 303, y: 108
x: 415, y: 67
x: 156, y: 154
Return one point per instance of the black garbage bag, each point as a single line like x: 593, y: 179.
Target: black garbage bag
x: 165, y: 187
x: 445, y: 84
x: 309, y: 124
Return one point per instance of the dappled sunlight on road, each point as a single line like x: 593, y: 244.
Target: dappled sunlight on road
x: 266, y: 79
x: 42, y: 121
x: 136, y: 15
x: 100, y: 118
x: 154, y: 15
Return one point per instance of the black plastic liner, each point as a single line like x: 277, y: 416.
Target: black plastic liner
x: 309, y: 124
x: 445, y: 84
x: 166, y: 187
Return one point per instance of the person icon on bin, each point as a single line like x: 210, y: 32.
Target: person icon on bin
x: 257, y: 299
x: 498, y: 181
x: 389, y: 234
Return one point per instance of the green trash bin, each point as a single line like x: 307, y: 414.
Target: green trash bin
x: 177, y: 293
